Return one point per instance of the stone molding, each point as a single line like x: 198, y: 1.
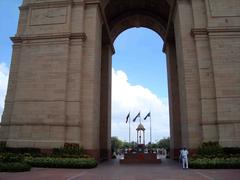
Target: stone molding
x: 207, y: 31
x: 199, y: 31
x: 22, y: 141
x: 221, y: 122
x: 20, y: 39
x: 38, y: 124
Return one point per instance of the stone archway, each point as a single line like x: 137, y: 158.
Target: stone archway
x: 60, y: 77
x: 142, y: 14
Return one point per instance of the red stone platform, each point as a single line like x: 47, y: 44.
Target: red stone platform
x: 140, y: 157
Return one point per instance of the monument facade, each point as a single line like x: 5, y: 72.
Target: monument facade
x: 59, y: 87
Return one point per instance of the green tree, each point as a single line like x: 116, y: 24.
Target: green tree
x: 164, y: 143
x: 116, y: 143
x: 152, y: 145
x: 129, y: 145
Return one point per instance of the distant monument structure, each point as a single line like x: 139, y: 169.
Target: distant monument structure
x: 59, y: 88
x: 140, y: 154
x: 140, y: 134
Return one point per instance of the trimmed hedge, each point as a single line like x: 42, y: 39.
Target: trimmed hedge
x: 215, y: 163
x: 21, y: 159
x: 232, y: 150
x: 14, y: 167
x: 211, y: 155
x: 69, y: 150
x: 35, y: 152
x: 210, y: 149
x: 2, y: 146
x: 10, y: 162
x: 49, y: 162
x: 11, y: 157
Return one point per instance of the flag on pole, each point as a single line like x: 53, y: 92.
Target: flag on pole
x: 127, y: 117
x: 148, y: 115
x: 138, y: 115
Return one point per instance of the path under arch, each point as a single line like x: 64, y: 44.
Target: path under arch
x: 112, y: 170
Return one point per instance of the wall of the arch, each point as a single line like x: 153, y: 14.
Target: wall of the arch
x: 174, y: 100
x: 224, y: 36
x: 105, y: 100
x: 55, y: 80
x: 207, y: 37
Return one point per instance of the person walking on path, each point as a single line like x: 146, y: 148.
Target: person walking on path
x: 184, y: 158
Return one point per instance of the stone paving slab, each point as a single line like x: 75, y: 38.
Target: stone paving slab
x: 112, y: 170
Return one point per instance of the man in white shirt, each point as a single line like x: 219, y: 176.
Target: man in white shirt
x: 184, y: 157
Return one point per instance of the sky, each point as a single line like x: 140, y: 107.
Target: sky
x: 139, y: 76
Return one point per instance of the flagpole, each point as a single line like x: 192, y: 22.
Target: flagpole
x: 140, y: 117
x: 150, y: 128
x: 129, y: 130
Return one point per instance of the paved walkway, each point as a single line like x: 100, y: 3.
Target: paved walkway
x: 112, y: 170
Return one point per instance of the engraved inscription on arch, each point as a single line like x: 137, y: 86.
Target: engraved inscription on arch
x: 219, y: 8
x: 48, y: 16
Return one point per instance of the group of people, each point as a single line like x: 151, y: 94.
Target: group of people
x: 183, y: 157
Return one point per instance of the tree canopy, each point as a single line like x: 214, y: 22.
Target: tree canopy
x: 119, y: 144
x: 164, y: 143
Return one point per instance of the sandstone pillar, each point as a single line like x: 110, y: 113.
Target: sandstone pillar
x: 174, y: 106
x: 188, y: 76
x: 106, y: 86
x: 206, y: 74
x: 91, y: 80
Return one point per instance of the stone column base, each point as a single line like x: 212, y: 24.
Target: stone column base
x: 93, y: 152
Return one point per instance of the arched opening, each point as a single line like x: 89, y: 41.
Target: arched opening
x: 154, y: 15
x: 139, y: 83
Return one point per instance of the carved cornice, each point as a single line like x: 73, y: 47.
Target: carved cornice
x: 228, y: 122
x: 82, y: 36
x: 206, y: 123
x: 20, y: 39
x: 215, y: 31
x: 220, y: 122
x: 39, y: 124
x: 224, y: 32
x: 199, y: 31
x: 92, y: 1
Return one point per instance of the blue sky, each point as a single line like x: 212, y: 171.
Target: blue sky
x: 139, y: 54
x: 8, y: 25
x: 139, y: 74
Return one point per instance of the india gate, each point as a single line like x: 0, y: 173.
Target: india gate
x: 59, y: 88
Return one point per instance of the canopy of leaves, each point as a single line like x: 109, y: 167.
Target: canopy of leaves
x: 116, y: 143
x: 164, y: 143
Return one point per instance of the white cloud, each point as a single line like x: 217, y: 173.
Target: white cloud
x: 135, y: 98
x: 4, y: 71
